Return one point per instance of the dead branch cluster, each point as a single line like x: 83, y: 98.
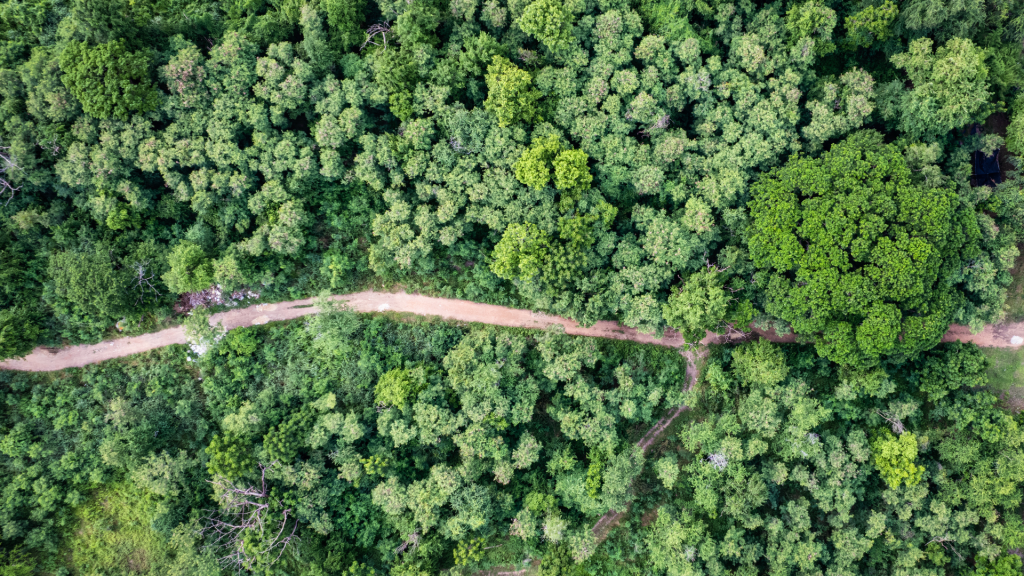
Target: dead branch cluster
x: 8, y: 164
x: 382, y: 29
x: 246, y: 528
x: 142, y: 281
x: 897, y: 425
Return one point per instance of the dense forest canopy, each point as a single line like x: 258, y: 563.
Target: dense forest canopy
x: 594, y: 159
x: 810, y: 166
x: 364, y: 445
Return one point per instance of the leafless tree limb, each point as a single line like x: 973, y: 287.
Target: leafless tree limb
x: 246, y: 511
x: 142, y: 282
x: 411, y: 543
x: 897, y: 425
x: 8, y: 163
x: 52, y: 146
x: 942, y: 541
x: 382, y: 28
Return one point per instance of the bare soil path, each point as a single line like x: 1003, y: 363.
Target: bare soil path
x: 45, y: 359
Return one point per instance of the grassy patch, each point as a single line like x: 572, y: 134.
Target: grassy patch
x: 1006, y: 369
x: 112, y: 535
x: 1015, y: 293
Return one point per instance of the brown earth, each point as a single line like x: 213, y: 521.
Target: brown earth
x: 45, y: 359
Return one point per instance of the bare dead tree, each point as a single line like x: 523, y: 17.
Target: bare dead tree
x: 411, y: 543
x: 247, y: 511
x: 382, y: 28
x: 943, y: 541
x: 8, y: 164
x: 142, y: 282
x: 897, y: 425
x: 52, y: 146
x: 719, y: 461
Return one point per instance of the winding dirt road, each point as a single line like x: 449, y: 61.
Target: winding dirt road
x: 45, y: 359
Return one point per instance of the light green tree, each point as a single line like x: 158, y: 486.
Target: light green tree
x: 814, y: 20
x: 399, y: 387
x: 521, y: 253
x: 510, y: 93
x: 703, y: 304
x: 549, y: 21
x: 533, y: 168
x: 571, y: 171
x: 894, y: 457
x: 191, y: 270
x: 870, y: 25
x: 950, y: 87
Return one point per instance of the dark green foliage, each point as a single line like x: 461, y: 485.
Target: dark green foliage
x: 108, y: 79
x: 87, y: 284
x: 18, y: 332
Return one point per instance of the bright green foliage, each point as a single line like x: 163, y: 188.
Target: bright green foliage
x: 399, y: 388
x: 950, y: 87
x: 191, y: 270
x: 667, y: 469
x: 510, y: 95
x: 109, y: 80
x: 533, y: 168
x: 549, y: 21
x: 522, y: 252
x: 854, y: 252
x: 813, y: 20
x: 895, y: 458
x: 870, y: 25
x: 760, y: 363
x: 571, y: 171
x: 230, y: 457
x: 470, y: 551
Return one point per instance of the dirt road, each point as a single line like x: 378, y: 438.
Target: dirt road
x: 42, y: 359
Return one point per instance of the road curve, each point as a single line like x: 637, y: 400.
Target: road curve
x: 45, y: 359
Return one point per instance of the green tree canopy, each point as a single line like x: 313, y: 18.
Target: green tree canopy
x: 950, y: 87
x: 510, y: 95
x: 191, y: 270
x: 854, y: 253
x: 108, y: 79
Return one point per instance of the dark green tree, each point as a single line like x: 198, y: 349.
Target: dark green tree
x: 108, y: 79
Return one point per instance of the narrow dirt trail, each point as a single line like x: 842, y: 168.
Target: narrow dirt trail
x: 44, y: 359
